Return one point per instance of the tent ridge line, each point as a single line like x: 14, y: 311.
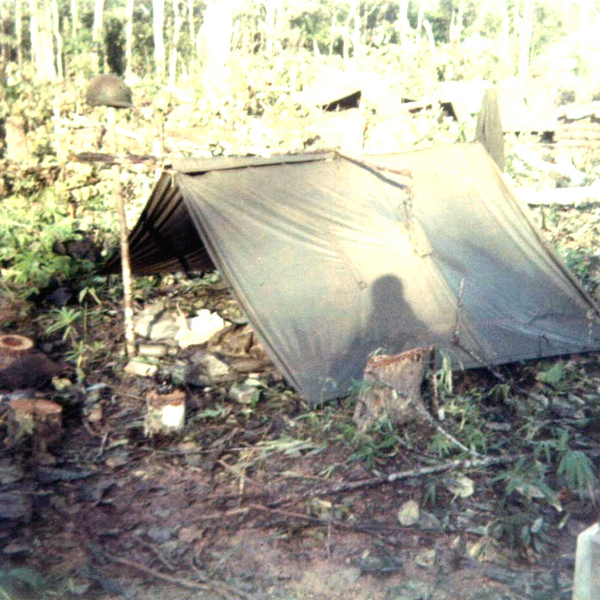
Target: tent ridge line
x: 378, y: 168
x: 178, y: 165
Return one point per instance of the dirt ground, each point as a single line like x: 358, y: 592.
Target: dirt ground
x: 265, y: 499
x: 227, y: 510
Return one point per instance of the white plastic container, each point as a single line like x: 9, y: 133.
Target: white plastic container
x: 586, y: 585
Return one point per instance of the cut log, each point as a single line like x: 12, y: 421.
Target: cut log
x: 166, y: 413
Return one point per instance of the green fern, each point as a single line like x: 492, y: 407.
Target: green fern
x: 579, y: 473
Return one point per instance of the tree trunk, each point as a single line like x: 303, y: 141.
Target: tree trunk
x: 191, y: 22
x: 34, y: 32
x: 505, y: 33
x: 525, y: 33
x: 4, y: 45
x: 216, y: 34
x: 19, y: 31
x: 333, y: 31
x: 456, y: 25
x: 173, y: 60
x: 158, y: 21
x: 57, y: 40
x: 41, y: 42
x: 355, y: 35
x: 269, y: 25
x: 97, y: 35
x: 351, y: 33
x: 274, y: 9
x: 429, y: 31
x: 128, y: 38
x: 47, y: 53
x: 74, y: 18
x: 484, y: 9
x: 346, y: 38
x: 403, y: 21
x: 421, y: 15
x: 586, y: 52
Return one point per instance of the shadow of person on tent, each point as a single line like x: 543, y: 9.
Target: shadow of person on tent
x: 391, y: 326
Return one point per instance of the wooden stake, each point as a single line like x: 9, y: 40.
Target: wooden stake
x: 125, y: 260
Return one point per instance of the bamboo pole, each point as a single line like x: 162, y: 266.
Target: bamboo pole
x: 125, y: 259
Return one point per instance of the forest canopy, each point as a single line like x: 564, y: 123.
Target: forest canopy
x: 184, y: 41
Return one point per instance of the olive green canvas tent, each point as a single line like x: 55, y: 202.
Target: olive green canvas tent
x: 332, y: 258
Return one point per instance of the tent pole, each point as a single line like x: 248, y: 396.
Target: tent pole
x: 125, y: 259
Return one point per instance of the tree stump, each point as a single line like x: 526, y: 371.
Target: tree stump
x: 38, y: 422
x: 392, y: 387
x: 12, y: 346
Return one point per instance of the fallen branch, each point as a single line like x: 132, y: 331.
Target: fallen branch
x: 152, y: 548
x: 210, y: 586
x: 113, y: 159
x: 329, y: 522
x: 472, y: 463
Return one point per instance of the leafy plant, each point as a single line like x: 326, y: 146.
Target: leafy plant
x: 379, y: 442
x: 431, y: 492
x: 28, y: 229
x: 579, y: 473
x: 585, y: 263
x: 442, y: 378
x: 521, y: 531
x: 290, y: 447
x: 63, y: 320
x: 21, y: 584
x: 552, y: 375
x: 218, y: 411
x: 529, y: 479
x: 82, y: 353
x: 463, y: 414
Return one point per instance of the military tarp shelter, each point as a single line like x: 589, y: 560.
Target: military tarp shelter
x: 332, y: 258
x: 523, y: 108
